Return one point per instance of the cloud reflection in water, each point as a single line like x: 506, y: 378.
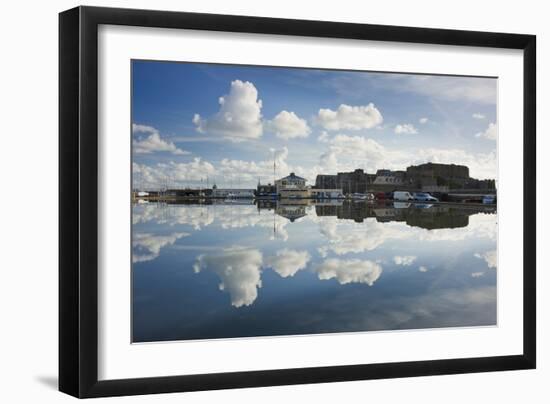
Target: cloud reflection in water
x: 279, y: 268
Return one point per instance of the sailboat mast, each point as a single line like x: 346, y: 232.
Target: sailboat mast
x: 274, y: 167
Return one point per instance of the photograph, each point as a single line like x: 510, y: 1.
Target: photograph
x: 284, y: 201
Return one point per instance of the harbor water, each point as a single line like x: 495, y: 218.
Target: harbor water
x: 226, y: 269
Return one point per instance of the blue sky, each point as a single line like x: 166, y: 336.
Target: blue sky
x: 191, y: 121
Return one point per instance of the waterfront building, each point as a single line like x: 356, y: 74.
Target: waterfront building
x: 391, y: 178
x: 443, y: 177
x: 356, y: 181
x: 434, y: 170
x: 266, y: 191
x: 292, y: 186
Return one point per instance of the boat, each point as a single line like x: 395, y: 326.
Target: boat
x: 359, y: 196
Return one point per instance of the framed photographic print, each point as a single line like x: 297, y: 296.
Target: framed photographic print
x: 251, y: 201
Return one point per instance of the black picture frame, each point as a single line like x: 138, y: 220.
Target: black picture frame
x: 78, y: 201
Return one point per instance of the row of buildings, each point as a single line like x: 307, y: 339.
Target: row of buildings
x: 429, y: 177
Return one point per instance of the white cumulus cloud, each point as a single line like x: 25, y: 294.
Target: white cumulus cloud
x: 477, y: 115
x: 490, y: 258
x: 405, y: 129
x: 138, y: 128
x: 358, y: 147
x: 287, y: 262
x: 349, y: 271
x: 224, y: 172
x: 239, y: 117
x: 152, y: 141
x: 490, y: 133
x: 423, y: 120
x: 351, y: 152
x: 172, y: 173
x: 146, y: 246
x: 249, y: 171
x: 350, y: 117
x: 239, y: 270
x: 287, y: 125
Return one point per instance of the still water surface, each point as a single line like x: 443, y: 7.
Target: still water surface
x: 222, y: 270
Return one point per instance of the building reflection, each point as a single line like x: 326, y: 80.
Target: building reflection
x: 291, y: 210
x: 425, y: 216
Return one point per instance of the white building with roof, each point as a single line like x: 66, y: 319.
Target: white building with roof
x: 292, y: 186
